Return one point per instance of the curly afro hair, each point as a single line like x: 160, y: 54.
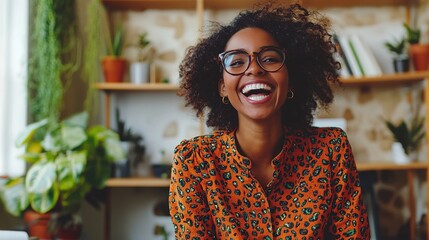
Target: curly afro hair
x: 309, y: 60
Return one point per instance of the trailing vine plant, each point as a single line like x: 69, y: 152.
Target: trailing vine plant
x: 54, y: 56
x: 97, y: 33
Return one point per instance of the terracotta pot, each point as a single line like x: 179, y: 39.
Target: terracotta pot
x: 72, y: 233
x: 38, y: 227
x: 114, y: 68
x: 419, y: 54
x: 38, y: 224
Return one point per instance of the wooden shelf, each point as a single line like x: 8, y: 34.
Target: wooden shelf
x: 382, y: 80
x: 386, y: 79
x: 239, y: 4
x: 385, y: 166
x: 136, y: 87
x: 158, y: 182
x: 138, y: 182
x: 148, y: 4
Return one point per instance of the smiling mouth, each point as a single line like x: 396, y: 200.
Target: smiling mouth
x: 256, y: 91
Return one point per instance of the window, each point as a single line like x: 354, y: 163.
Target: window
x: 13, y: 82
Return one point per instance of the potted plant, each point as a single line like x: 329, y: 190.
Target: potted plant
x: 54, y: 34
x: 419, y: 52
x: 161, y: 231
x: 131, y: 144
x: 114, y: 65
x: 68, y: 162
x: 161, y: 165
x: 139, y: 70
x: 409, y: 137
x: 401, y: 60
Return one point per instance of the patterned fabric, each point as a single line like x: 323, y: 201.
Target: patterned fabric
x: 315, y: 192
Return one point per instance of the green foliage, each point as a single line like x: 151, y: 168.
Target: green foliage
x: 125, y: 134
x: 143, y: 45
x: 413, y: 35
x: 54, y: 35
x: 160, y: 230
x: 97, y: 39
x: 117, y: 43
x: 397, y: 47
x: 143, y: 41
x: 408, y: 136
x: 67, y: 162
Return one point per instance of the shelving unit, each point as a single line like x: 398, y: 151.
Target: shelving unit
x: 200, y: 6
x: 239, y: 4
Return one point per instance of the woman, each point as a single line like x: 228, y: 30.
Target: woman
x: 264, y: 172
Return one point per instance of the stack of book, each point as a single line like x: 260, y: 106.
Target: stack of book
x: 355, y: 57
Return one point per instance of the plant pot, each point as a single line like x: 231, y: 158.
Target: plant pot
x: 121, y: 168
x: 398, y: 153
x: 37, y: 224
x: 161, y: 170
x: 419, y: 54
x: 71, y: 233
x: 114, y: 68
x: 401, y: 64
x: 139, y: 72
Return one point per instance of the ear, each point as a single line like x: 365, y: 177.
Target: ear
x: 221, y: 87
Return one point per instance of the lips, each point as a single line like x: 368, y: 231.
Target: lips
x: 256, y: 92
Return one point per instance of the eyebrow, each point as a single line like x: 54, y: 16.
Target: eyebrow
x: 260, y: 49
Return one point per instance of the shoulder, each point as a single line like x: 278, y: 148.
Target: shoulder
x: 328, y: 132
x: 320, y: 134
x: 204, y: 140
x: 202, y: 145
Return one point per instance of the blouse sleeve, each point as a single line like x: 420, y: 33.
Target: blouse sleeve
x: 187, y: 200
x: 349, y: 218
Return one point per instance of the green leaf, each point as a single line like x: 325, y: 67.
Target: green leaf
x: 30, y: 157
x: 117, y: 42
x: 70, y: 169
x: 98, y: 171
x: 413, y: 35
x: 14, y: 196
x: 45, y: 201
x: 72, y: 137
x: 27, y: 134
x: 409, y: 137
x: 77, y: 120
x: 40, y: 177
x: 52, y: 141
x: 114, y: 151
x: 70, y: 200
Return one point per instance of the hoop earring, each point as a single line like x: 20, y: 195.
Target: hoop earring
x: 290, y: 94
x: 225, y: 100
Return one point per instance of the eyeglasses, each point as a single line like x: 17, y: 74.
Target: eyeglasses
x: 236, y: 62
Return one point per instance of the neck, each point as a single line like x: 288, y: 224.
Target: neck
x: 260, y: 143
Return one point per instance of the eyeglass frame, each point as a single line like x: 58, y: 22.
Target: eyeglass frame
x: 255, y: 55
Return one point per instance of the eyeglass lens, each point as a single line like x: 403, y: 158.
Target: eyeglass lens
x: 237, y: 62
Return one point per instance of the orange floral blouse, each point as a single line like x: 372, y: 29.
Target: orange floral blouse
x: 315, y: 192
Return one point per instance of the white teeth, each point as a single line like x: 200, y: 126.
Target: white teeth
x: 258, y: 97
x: 255, y: 86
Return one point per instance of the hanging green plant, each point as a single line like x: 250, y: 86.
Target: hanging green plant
x: 54, y: 35
x: 97, y: 33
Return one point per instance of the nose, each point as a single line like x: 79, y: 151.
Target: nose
x: 254, y: 67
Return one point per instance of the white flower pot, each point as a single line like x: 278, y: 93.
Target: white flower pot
x: 139, y: 72
x: 398, y: 153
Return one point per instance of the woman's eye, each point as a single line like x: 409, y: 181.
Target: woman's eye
x: 236, y: 63
x: 271, y: 60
